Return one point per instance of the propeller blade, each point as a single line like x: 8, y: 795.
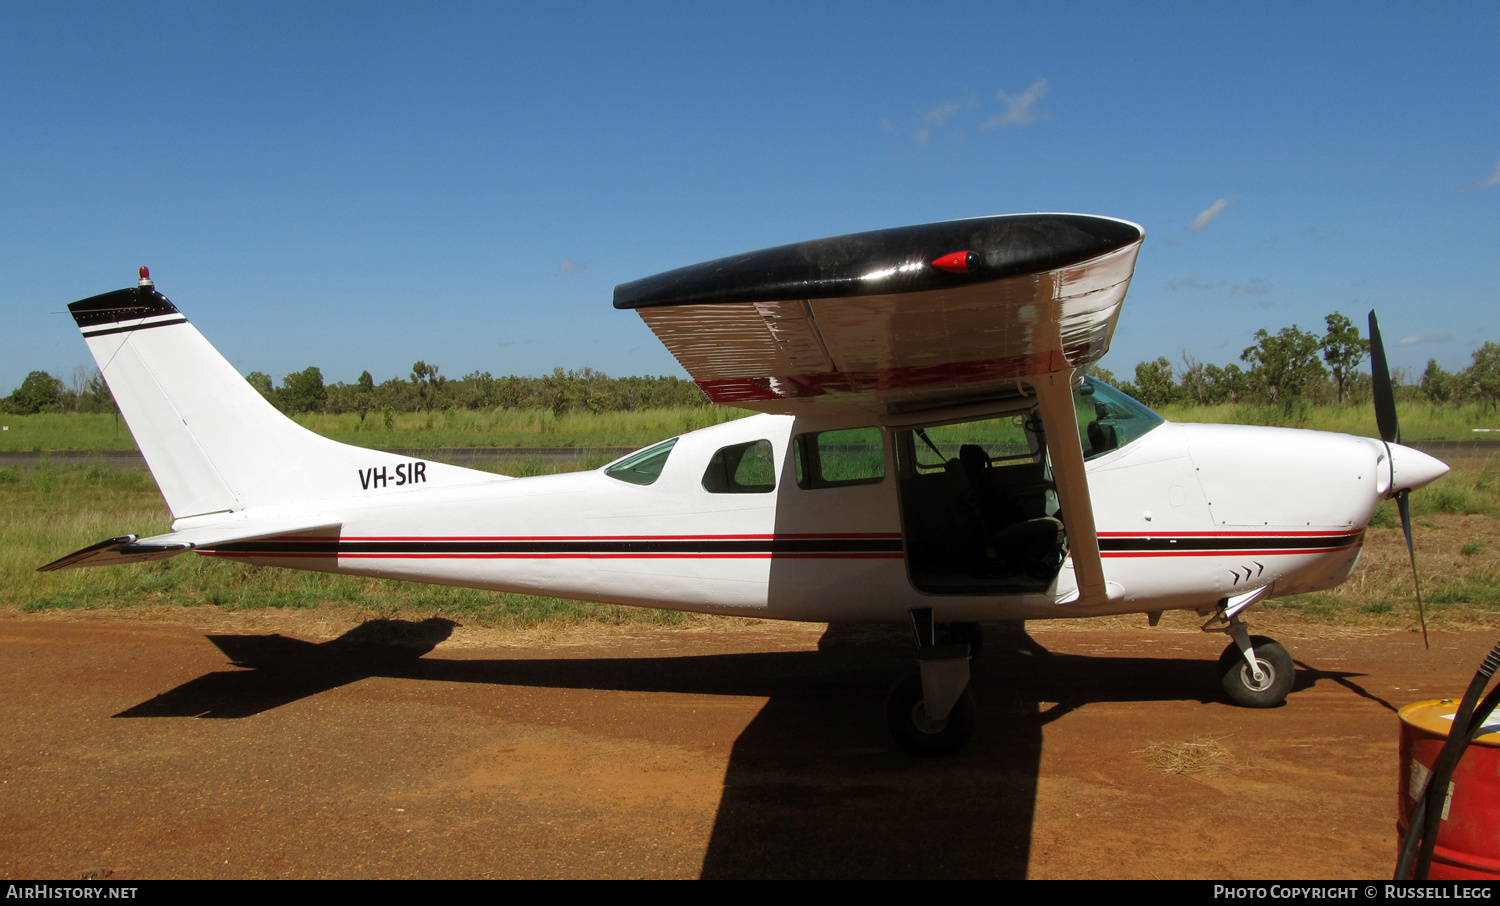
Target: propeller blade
x: 1411, y: 552
x: 1385, y: 395
x: 1390, y: 432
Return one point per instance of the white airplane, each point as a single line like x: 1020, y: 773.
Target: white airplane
x: 927, y: 453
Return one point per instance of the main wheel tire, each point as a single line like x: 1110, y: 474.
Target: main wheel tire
x: 920, y: 736
x: 1239, y: 683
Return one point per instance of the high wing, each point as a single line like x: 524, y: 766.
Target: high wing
x: 898, y: 324
x: 899, y: 320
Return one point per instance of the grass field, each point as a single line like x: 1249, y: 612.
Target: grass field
x: 422, y: 430
x: 1420, y: 420
x: 537, y: 428
x: 51, y: 511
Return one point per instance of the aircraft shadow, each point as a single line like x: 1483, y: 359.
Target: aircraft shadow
x: 814, y: 787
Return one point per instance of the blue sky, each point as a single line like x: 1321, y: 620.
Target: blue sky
x: 362, y: 185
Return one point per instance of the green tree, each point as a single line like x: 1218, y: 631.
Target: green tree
x: 364, y: 395
x: 1438, y: 385
x: 475, y: 390
x: 262, y: 383
x: 304, y: 391
x: 1154, y: 383
x: 1102, y: 375
x: 87, y: 392
x: 1483, y: 377
x: 1343, y: 350
x: 428, y: 384
x: 40, y: 392
x: 561, y: 390
x: 1284, y: 364
x: 1193, y: 385
x: 1229, y: 384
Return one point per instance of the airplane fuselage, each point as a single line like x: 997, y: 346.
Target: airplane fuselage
x: 1186, y: 514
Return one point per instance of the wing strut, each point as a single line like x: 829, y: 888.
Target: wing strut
x: 1054, y: 392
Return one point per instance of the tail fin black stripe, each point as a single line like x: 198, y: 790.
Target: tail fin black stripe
x: 144, y: 325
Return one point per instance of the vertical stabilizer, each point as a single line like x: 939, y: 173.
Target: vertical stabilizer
x: 212, y: 442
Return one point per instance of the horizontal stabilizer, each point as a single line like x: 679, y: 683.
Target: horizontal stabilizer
x: 131, y: 549
x: 114, y: 551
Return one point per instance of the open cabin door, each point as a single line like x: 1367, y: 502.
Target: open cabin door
x: 990, y: 506
x: 979, y: 506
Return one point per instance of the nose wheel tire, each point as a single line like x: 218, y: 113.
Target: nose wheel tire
x: 1240, y: 683
x: 920, y: 735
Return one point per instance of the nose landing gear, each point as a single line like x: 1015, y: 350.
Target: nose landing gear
x: 1255, y: 671
x: 1266, y: 684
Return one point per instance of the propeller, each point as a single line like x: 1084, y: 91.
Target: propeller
x: 1390, y: 432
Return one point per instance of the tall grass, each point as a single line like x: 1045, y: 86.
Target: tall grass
x: 517, y: 427
x: 65, y: 431
x: 1420, y: 420
x: 1471, y: 487
x: 540, y: 428
x: 426, y: 430
x: 49, y: 512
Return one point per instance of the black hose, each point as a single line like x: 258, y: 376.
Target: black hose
x: 1464, y: 729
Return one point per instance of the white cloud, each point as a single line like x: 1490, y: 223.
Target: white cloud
x: 1020, y: 109
x: 1420, y: 339
x: 1205, y: 219
x: 942, y: 113
x: 570, y: 267
x: 938, y: 117
x: 1190, y: 282
x: 1493, y: 180
x: 1255, y: 287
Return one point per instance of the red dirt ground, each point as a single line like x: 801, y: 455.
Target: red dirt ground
x: 138, y: 749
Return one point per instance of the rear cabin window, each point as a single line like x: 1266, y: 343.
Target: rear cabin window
x: 836, y: 459
x: 642, y: 467
x: 741, y: 469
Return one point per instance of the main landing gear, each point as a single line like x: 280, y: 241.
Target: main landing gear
x: 931, y: 712
x: 1255, y: 671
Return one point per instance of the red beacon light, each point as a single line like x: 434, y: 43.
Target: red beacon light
x: 145, y: 276
x: 957, y: 263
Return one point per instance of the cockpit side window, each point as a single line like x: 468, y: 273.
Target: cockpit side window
x: 642, y: 467
x: 835, y: 459
x: 1108, y: 419
x: 748, y: 468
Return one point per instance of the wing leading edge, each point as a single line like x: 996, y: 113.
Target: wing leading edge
x: 895, y: 320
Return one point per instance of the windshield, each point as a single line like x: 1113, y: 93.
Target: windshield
x: 1108, y: 419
